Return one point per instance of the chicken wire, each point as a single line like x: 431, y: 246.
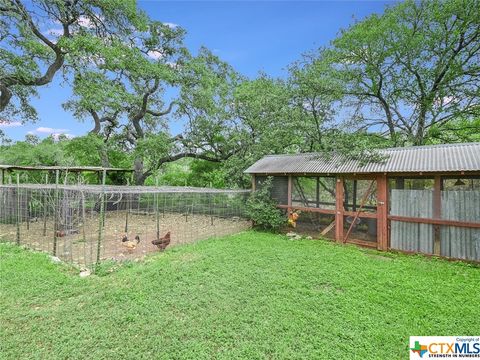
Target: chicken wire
x: 86, y: 224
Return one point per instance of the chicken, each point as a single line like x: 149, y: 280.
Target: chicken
x: 292, y: 218
x: 62, y: 233
x: 162, y: 242
x: 130, y: 245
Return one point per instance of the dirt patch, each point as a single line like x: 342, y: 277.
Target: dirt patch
x: 81, y: 246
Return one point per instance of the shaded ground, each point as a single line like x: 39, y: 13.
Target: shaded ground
x: 249, y: 296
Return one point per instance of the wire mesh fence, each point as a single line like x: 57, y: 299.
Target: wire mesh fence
x: 86, y: 224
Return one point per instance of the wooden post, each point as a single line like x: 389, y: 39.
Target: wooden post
x: 157, y: 215
x: 127, y: 210
x: 18, y: 208
x: 1, y: 176
x: 55, y: 213
x: 339, y: 197
x: 437, y: 212
x: 45, y: 207
x: 317, y: 195
x: 84, y: 219
x: 101, y: 221
x: 254, y: 185
x: 382, y: 212
x: 289, y: 193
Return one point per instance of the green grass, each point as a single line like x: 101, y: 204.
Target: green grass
x: 247, y: 296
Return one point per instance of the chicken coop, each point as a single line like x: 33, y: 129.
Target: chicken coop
x: 423, y: 199
x: 86, y: 224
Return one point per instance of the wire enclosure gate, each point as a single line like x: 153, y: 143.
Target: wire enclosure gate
x: 86, y: 224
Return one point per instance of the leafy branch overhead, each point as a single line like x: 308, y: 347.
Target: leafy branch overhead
x: 409, y: 76
x: 32, y: 53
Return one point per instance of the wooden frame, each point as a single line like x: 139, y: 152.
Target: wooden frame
x: 466, y: 224
x: 382, y: 214
x: 339, y: 210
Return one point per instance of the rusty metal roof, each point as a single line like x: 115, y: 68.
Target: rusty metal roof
x: 431, y: 158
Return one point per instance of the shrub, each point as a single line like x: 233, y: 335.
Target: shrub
x: 262, y: 209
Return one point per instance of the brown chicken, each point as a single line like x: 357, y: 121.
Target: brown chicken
x: 162, y: 242
x: 130, y: 245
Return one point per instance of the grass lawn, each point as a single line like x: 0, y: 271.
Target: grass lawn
x: 252, y: 295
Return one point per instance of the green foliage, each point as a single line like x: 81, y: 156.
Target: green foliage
x: 408, y: 76
x: 253, y: 295
x: 31, y: 57
x: 456, y: 131
x: 262, y: 210
x: 191, y: 172
x: 46, y: 152
x: 413, y: 68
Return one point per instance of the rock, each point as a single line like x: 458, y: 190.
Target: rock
x: 85, y: 273
x: 297, y: 237
x: 55, y: 259
x: 309, y: 238
x: 291, y: 234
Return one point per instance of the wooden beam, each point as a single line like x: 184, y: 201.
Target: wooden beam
x: 437, y: 212
x: 339, y: 209
x: 254, y: 182
x: 369, y: 175
x: 466, y: 224
x: 382, y: 212
x: 328, y: 228
x: 364, y: 243
x: 361, y: 214
x: 307, y: 209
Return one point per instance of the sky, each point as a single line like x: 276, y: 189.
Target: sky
x: 252, y: 36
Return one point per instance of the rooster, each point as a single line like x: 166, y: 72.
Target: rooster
x: 162, y: 242
x: 292, y: 218
x: 130, y: 245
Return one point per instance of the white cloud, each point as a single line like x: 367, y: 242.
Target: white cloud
x: 154, y: 54
x: 173, y: 65
x: 56, y: 136
x: 171, y: 25
x: 8, y: 124
x: 84, y: 21
x: 55, y: 133
x: 48, y: 130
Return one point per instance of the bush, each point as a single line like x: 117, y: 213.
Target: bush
x: 262, y: 209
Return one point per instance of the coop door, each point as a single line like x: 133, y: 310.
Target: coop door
x: 360, y: 211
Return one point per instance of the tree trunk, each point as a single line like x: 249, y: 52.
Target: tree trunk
x: 419, y: 138
x: 140, y: 175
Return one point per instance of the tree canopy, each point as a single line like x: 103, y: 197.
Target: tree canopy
x: 409, y: 76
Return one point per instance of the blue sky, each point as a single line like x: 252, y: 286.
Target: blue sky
x: 251, y: 36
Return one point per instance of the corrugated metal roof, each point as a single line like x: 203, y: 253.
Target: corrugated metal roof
x: 432, y: 158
